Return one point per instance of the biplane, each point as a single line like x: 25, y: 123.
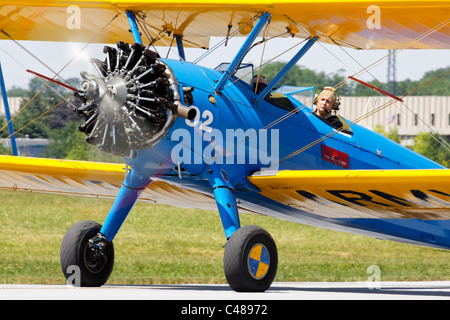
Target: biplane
x: 193, y: 136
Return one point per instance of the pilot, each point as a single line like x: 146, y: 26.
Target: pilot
x: 259, y: 83
x: 326, y: 102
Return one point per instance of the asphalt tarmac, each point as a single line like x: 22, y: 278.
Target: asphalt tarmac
x: 217, y: 292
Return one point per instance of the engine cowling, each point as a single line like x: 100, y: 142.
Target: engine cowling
x: 133, y: 101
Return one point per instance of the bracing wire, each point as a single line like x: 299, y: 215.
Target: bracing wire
x: 47, y: 84
x: 431, y: 130
x: 262, y: 54
x: 342, y: 83
x: 225, y: 40
x: 40, y: 116
x: 360, y: 119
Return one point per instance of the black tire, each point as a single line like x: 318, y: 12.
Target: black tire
x: 75, y: 252
x: 243, y: 273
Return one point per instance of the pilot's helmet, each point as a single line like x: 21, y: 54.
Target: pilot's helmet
x: 331, y: 93
x: 260, y: 82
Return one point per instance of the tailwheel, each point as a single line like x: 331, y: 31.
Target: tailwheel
x: 250, y: 260
x: 87, y: 260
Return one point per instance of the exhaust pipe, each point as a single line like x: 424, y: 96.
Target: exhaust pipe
x: 185, y: 112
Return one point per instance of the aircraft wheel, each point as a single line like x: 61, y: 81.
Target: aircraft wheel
x: 86, y: 263
x: 250, y: 260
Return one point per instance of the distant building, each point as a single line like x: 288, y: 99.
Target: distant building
x: 416, y: 114
x: 29, y: 147
x: 25, y: 146
x: 14, y: 105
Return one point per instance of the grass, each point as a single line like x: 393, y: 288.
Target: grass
x: 166, y: 245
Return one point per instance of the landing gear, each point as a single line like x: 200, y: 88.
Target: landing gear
x: 86, y: 258
x: 251, y: 259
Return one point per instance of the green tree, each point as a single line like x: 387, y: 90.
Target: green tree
x: 392, y: 134
x: 69, y: 143
x: 304, y: 77
x: 439, y: 87
x: 430, y: 146
x: 62, y: 141
x: 39, y: 100
x: 16, y: 91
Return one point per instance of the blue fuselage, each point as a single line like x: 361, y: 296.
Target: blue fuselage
x: 237, y: 132
x: 231, y: 138
x: 241, y: 137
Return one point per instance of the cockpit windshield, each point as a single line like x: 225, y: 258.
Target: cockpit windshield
x: 244, y: 72
x: 304, y: 95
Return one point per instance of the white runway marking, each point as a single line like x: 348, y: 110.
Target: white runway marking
x: 192, y: 292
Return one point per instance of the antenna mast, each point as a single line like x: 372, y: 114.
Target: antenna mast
x: 391, y: 72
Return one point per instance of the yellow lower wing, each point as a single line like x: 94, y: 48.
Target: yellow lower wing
x: 92, y: 179
x: 421, y: 194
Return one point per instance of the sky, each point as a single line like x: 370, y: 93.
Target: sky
x: 410, y: 64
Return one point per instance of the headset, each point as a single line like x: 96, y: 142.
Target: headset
x: 337, y: 102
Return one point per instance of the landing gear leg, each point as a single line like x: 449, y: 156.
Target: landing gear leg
x: 250, y: 261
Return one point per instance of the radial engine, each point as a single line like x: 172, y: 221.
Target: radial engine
x: 132, y: 103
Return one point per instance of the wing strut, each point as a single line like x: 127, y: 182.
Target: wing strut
x: 234, y: 65
x: 7, y: 113
x: 286, y: 69
x: 180, y: 47
x: 133, y: 27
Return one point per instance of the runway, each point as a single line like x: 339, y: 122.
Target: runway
x: 193, y: 292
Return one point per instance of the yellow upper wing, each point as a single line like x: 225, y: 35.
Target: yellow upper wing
x: 387, y: 194
x: 354, y: 23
